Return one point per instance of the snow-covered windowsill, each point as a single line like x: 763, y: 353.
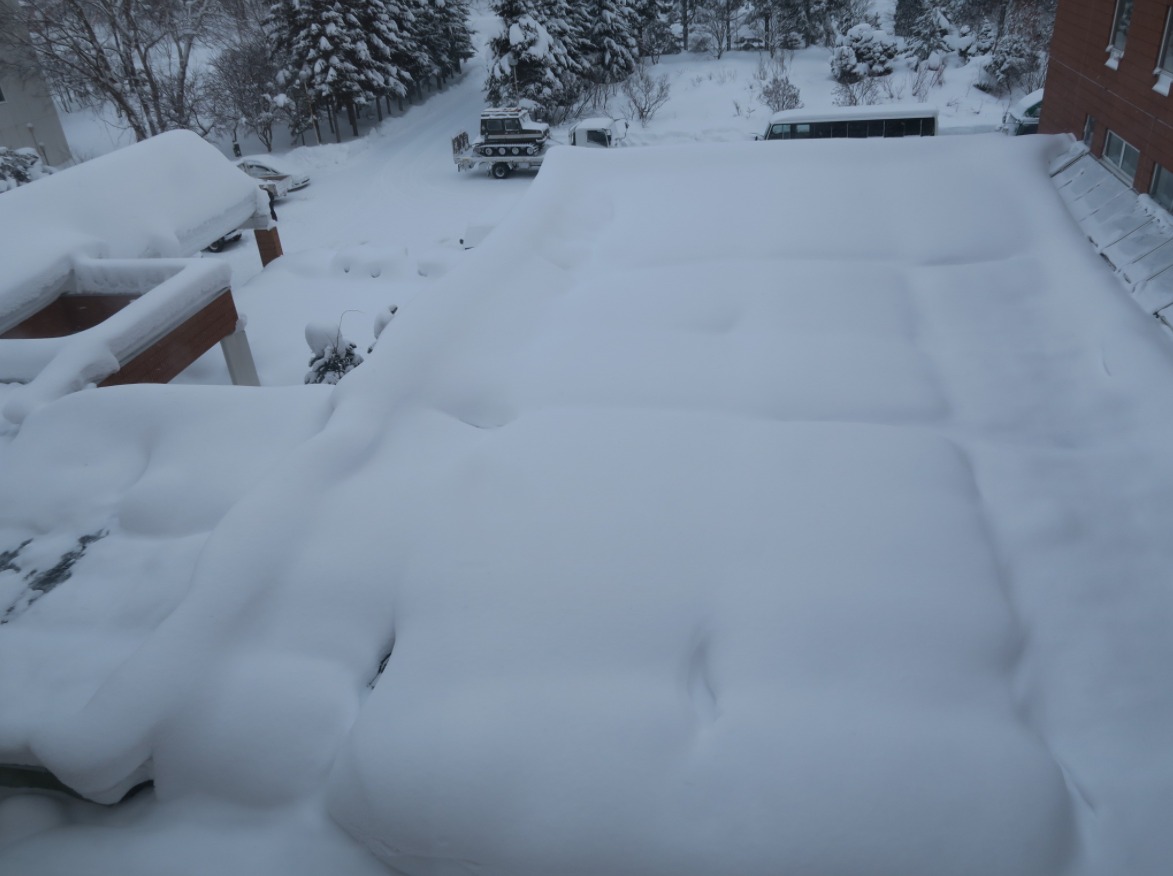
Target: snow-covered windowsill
x: 1164, y: 81
x: 1114, y: 56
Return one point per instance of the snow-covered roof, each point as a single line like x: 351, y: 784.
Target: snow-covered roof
x: 679, y: 532
x: 168, y: 196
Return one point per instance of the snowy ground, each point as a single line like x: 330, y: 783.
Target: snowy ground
x: 734, y: 507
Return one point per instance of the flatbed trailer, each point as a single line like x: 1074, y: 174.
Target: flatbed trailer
x: 500, y: 159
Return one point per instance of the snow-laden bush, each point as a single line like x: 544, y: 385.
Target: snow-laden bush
x: 1016, y: 62
x: 334, y: 356
x: 863, y: 51
x: 774, y: 88
x: 646, y: 94
x: 20, y: 166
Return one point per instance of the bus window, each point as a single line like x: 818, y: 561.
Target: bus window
x: 875, y: 127
x: 894, y: 127
x: 779, y: 132
x: 857, y: 129
x: 801, y: 132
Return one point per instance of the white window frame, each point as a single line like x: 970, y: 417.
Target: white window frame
x: 1116, y: 164
x: 1119, y: 36
x: 1164, y: 69
x: 1158, y: 173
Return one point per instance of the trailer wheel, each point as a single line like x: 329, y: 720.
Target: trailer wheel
x: 501, y: 170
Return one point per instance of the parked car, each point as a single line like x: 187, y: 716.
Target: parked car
x: 1023, y: 116
x: 219, y: 244
x: 269, y: 168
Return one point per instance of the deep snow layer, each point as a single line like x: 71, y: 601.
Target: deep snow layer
x: 711, y: 524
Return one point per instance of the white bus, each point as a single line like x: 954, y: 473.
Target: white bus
x: 884, y: 120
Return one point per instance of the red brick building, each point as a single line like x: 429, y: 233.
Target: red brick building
x: 1110, y: 81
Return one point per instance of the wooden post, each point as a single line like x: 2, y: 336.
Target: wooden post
x: 268, y: 244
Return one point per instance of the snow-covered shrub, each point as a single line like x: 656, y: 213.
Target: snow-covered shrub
x: 931, y: 32
x: 925, y: 78
x: 775, y: 89
x: 334, y: 356
x: 1016, y: 62
x: 863, y: 51
x: 646, y: 94
x: 862, y: 92
x: 1019, y: 58
x: 20, y: 166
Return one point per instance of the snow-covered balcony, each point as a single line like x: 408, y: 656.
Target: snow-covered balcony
x: 99, y: 285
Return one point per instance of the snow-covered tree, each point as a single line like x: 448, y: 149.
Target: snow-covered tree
x: 1019, y: 58
x: 530, y: 63
x: 653, y: 20
x: 241, y: 87
x: 815, y: 22
x: 863, y: 51
x: 335, y: 54
x: 931, y: 31
x: 453, y: 35
x: 905, y: 16
x: 718, y: 21
x: 611, y: 40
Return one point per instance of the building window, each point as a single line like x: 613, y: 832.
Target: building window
x: 1121, y: 156
x: 1119, y: 32
x: 1089, y: 131
x: 1164, y: 71
x: 1162, y: 188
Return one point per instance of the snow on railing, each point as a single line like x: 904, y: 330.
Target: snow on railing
x: 53, y: 367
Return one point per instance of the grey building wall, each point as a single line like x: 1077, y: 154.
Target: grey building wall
x: 27, y: 102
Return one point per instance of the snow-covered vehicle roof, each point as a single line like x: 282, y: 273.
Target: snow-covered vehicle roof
x: 876, y: 111
x: 1027, y: 106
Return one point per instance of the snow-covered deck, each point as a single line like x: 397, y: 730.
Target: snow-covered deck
x: 705, y: 519
x: 119, y: 224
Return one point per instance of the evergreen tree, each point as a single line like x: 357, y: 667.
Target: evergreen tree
x: 530, y: 66
x: 653, y: 21
x: 613, y: 47
x: 905, y: 16
x: 334, y: 55
x: 455, y: 35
